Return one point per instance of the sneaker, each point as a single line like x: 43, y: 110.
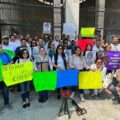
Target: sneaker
x: 82, y: 97
x: 72, y: 95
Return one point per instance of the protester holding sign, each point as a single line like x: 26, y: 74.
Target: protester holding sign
x: 98, y: 66
x: 59, y: 62
x: 78, y: 62
x: 5, y: 58
x: 25, y: 87
x: 43, y: 63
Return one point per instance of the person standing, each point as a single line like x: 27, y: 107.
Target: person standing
x: 5, y: 59
x: 59, y: 63
x: 25, y: 87
x: 43, y: 64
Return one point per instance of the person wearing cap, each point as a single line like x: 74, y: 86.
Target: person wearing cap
x: 7, y: 45
x: 5, y: 59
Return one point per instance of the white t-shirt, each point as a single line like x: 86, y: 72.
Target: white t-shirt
x: 60, y: 62
x: 115, y: 47
x: 10, y: 47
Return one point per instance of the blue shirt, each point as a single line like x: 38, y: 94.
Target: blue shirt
x: 5, y: 58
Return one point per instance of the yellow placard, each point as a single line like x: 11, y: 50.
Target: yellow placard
x: 87, y: 32
x: 17, y: 73
x: 90, y: 80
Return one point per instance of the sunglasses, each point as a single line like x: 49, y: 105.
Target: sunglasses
x: 25, y: 52
x: 99, y: 62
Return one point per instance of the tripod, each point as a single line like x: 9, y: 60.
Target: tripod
x: 64, y: 107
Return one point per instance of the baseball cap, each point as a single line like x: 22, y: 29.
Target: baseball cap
x: 4, y: 37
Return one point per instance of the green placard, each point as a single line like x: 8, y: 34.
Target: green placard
x: 10, y: 53
x: 44, y: 81
x: 87, y: 32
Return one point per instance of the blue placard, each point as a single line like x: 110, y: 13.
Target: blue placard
x: 66, y: 78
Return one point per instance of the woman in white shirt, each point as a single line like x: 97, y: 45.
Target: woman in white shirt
x: 99, y: 66
x: 78, y: 62
x: 25, y: 87
x: 59, y: 63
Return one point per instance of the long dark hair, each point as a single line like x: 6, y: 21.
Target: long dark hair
x: 22, y: 51
x: 86, y: 49
x: 77, y: 47
x: 63, y: 56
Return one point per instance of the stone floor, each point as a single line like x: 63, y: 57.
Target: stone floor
x: 100, y: 109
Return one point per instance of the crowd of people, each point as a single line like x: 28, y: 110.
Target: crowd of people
x: 50, y: 54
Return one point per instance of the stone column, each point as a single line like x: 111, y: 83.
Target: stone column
x: 57, y: 18
x: 72, y: 13
x: 99, y: 20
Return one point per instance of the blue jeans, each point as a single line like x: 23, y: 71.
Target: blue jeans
x: 25, y: 90
x: 5, y: 93
x: 114, y: 92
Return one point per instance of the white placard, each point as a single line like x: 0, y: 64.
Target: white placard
x: 70, y: 29
x: 47, y: 28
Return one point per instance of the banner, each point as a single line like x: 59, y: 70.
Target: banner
x: 0, y: 70
x: 67, y: 78
x: 87, y: 32
x: 83, y: 42
x: 90, y: 80
x: 44, y: 81
x: 113, y: 59
x: 10, y: 53
x: 90, y: 57
x: 17, y: 73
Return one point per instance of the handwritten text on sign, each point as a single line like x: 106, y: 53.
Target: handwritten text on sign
x: 17, y: 73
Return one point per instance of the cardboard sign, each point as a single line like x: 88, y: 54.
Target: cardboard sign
x: 90, y: 80
x: 87, y: 32
x: 67, y: 78
x: 83, y: 42
x: 44, y: 81
x: 17, y: 73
